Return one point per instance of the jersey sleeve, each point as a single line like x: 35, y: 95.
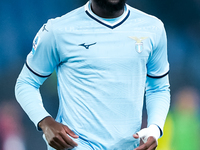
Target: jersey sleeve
x: 157, y: 100
x: 43, y: 58
x: 40, y: 63
x: 28, y: 95
x: 158, y: 65
x: 157, y: 83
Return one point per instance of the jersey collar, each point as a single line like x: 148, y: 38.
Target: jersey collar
x: 103, y: 21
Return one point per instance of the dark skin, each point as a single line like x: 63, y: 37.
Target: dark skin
x: 58, y: 135
x: 100, y: 10
x: 151, y: 143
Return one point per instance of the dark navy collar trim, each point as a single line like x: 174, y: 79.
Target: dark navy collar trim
x: 109, y: 26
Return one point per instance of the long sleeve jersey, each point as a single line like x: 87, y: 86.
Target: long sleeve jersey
x: 104, y: 68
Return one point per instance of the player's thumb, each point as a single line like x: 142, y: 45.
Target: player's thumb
x: 142, y: 134
x: 136, y: 136
x: 70, y: 132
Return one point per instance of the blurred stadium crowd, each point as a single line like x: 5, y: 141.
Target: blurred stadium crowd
x: 19, y: 22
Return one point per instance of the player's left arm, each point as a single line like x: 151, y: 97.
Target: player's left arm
x: 157, y: 104
x: 157, y: 93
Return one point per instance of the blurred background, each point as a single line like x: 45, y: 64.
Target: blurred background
x: 19, y: 22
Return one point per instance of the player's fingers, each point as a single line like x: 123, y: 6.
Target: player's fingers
x: 142, y: 147
x: 152, y: 147
x: 136, y: 136
x: 62, y: 142
x: 68, y: 140
x: 154, y: 143
x: 55, y: 145
x: 68, y: 147
x: 151, y: 142
x: 143, y: 134
x: 70, y: 132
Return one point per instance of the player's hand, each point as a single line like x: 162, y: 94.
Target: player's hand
x: 149, y: 136
x: 57, y: 134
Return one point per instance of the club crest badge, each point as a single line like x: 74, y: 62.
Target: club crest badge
x: 139, y: 43
x: 35, y: 43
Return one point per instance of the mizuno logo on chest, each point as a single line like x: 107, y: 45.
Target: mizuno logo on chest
x: 87, y: 46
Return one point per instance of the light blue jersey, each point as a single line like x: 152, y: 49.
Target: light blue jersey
x: 103, y: 69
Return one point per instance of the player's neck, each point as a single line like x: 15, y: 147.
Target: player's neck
x: 105, y: 13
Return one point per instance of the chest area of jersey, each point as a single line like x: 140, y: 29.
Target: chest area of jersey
x: 105, y: 48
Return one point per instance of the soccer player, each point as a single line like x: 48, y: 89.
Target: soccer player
x: 106, y: 55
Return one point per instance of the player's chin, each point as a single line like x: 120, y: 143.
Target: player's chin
x: 115, y: 5
x: 114, y: 2
x: 117, y: 2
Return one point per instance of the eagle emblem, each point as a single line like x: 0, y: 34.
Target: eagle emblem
x: 139, y: 43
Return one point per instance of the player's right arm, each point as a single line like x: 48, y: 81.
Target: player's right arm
x: 40, y: 63
x: 29, y: 97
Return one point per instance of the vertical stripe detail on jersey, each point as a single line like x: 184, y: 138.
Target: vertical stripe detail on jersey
x: 107, y: 25
x: 158, y: 76
x: 35, y: 72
